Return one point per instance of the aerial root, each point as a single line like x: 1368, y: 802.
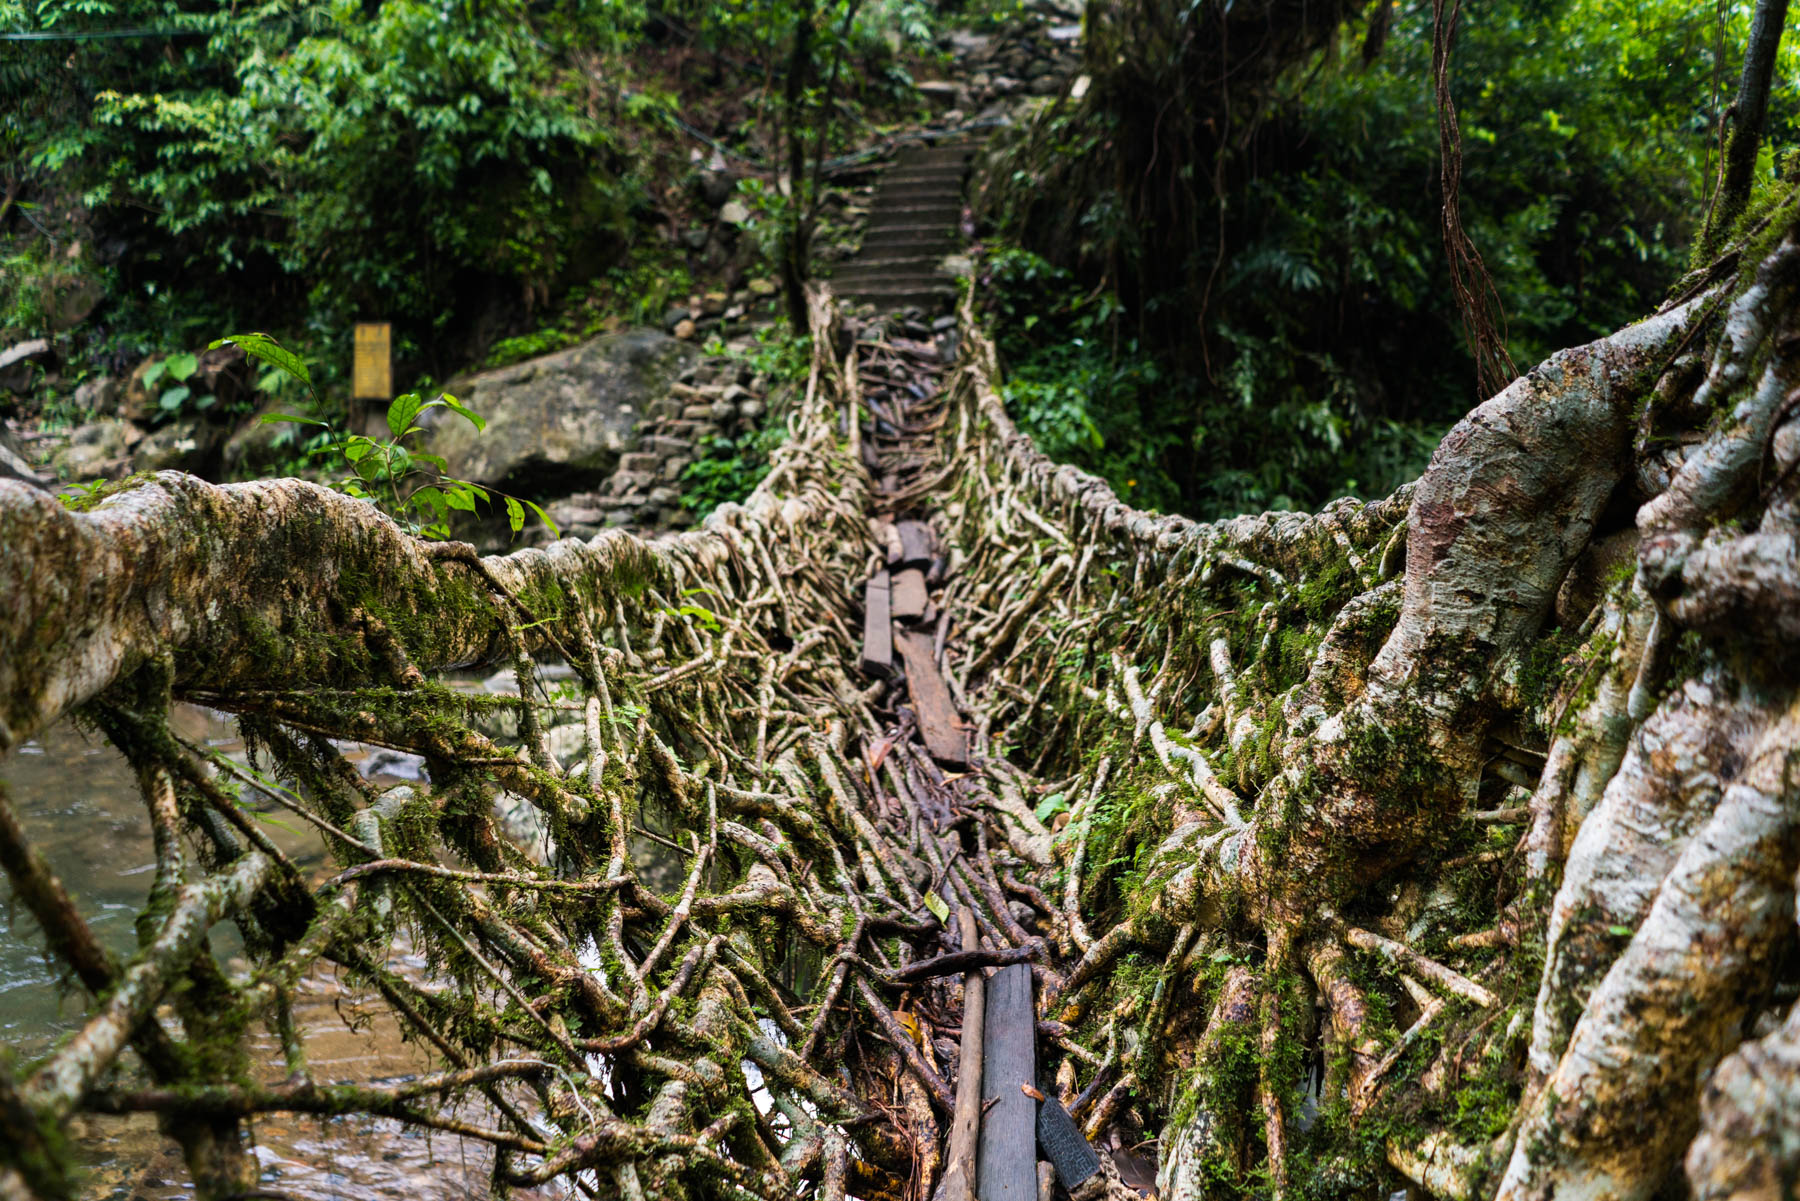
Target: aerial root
x: 1683, y: 983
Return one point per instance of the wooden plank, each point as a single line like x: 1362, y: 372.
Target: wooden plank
x: 917, y: 543
x: 1007, y: 1164
x: 958, y: 1183
x: 909, y: 596
x: 944, y: 735
x: 878, y: 626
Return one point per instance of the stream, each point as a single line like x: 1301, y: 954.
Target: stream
x: 80, y: 805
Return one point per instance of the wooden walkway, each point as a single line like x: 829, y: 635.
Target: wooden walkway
x: 910, y: 641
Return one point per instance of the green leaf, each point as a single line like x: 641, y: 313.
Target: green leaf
x: 515, y: 514
x: 154, y: 372
x: 357, y: 449
x: 171, y: 398
x: 272, y: 418
x: 401, y: 412
x: 936, y: 904
x: 268, y: 350
x: 475, y: 419
x: 1052, y: 805
x: 429, y: 497
x: 1620, y: 931
x: 460, y: 498
x: 182, y: 365
x: 555, y: 531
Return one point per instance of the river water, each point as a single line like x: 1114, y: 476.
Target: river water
x: 80, y: 805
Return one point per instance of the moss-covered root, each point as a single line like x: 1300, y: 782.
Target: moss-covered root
x: 1619, y: 1108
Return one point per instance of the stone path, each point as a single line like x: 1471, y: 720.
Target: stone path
x: 914, y: 223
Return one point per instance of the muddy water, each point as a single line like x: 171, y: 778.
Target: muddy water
x: 81, y: 807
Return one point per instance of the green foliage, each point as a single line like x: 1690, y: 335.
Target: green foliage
x: 1287, y: 285
x: 360, y: 158
x: 410, y: 485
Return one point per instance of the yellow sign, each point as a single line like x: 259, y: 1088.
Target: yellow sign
x: 374, y: 373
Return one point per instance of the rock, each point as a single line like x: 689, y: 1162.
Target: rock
x: 19, y: 364
x: 624, y: 482
x: 560, y: 422
x: 672, y: 468
x: 713, y: 303
x: 735, y: 212
x: 665, y: 496
x: 941, y: 92
x: 399, y: 764
x: 673, y: 317
x: 750, y: 410
x: 16, y: 465
x: 762, y: 287
x: 99, y: 396
x: 525, y: 825
x: 638, y: 461
x: 735, y: 312
x: 566, y: 743
x: 137, y: 404
x: 684, y: 330
x: 96, y: 450
x: 716, y: 188
x: 735, y: 394
x: 257, y: 444
x: 943, y: 323
x: 694, y: 239
x: 191, y: 444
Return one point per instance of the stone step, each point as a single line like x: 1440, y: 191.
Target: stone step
x: 951, y: 153
x: 896, y: 242
x: 913, y: 196
x: 939, y: 216
x: 923, y: 261
x: 877, y: 276
x: 874, y: 290
x: 917, y: 175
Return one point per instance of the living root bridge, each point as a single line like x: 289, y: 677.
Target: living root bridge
x: 1401, y: 840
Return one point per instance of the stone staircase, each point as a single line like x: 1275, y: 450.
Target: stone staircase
x: 913, y: 224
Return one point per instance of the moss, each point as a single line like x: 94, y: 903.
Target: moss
x: 85, y: 500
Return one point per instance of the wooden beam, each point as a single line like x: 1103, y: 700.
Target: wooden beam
x: 878, y: 627
x: 943, y: 733
x: 1007, y: 1167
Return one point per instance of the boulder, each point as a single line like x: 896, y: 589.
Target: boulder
x: 15, y: 464
x: 188, y: 443
x: 257, y: 445
x: 557, y: 423
x: 19, y: 364
x: 96, y: 450
x: 97, y: 396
